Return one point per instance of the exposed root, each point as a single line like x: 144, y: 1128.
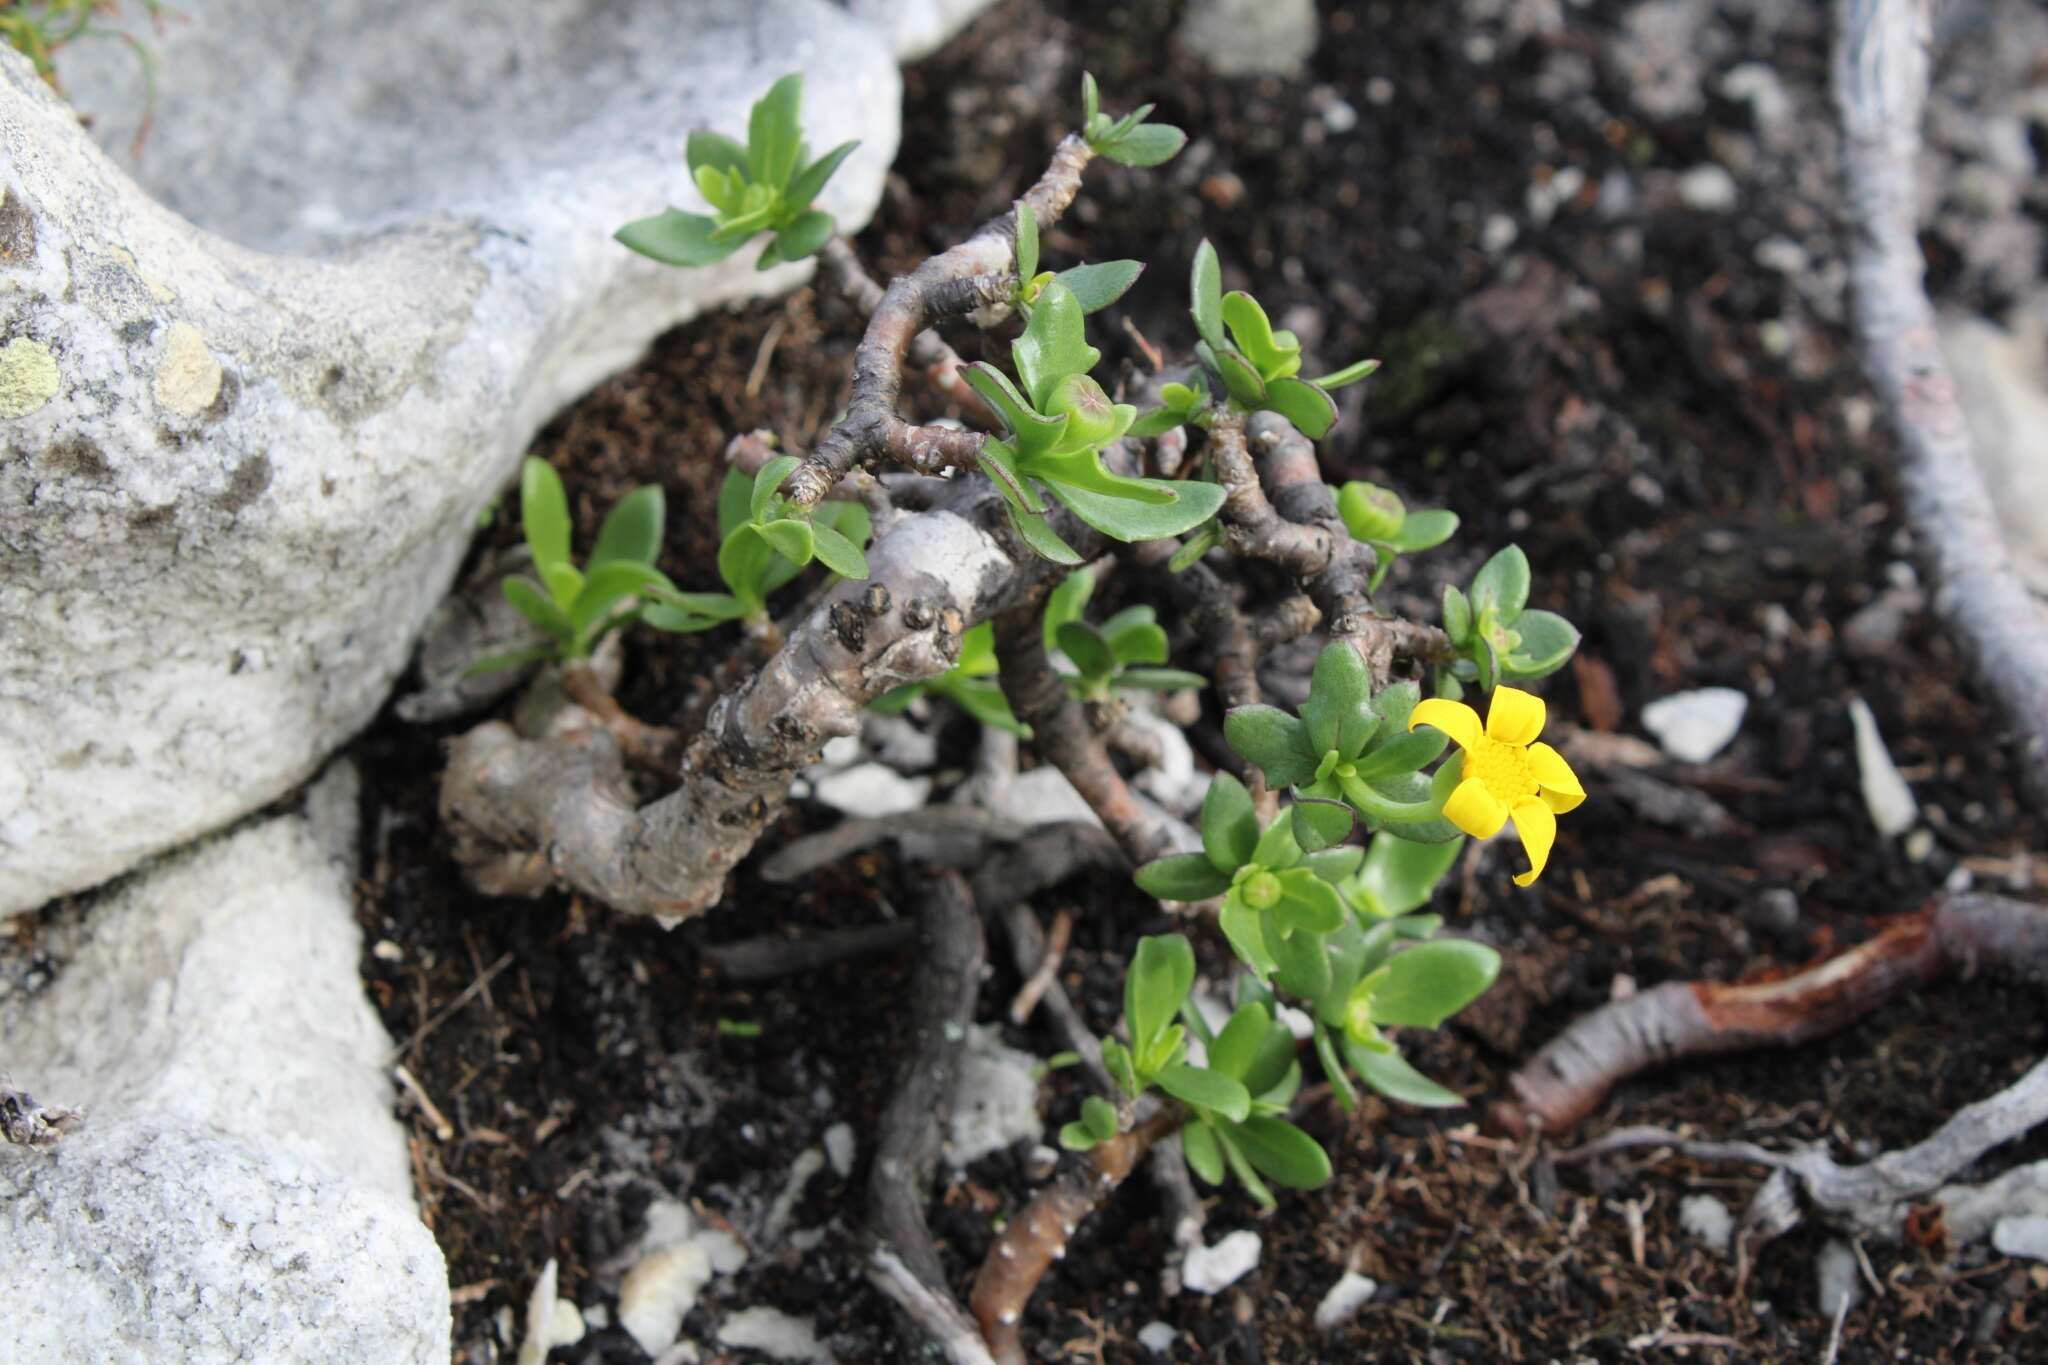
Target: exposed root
x: 1575, y: 1072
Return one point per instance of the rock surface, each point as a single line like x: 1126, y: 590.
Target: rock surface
x: 240, y: 1190
x: 1251, y: 37
x: 255, y: 403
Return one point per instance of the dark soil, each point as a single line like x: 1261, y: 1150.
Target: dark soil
x: 1679, y: 439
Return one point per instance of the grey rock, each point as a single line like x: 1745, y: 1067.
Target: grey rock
x: 1213, y: 1269
x: 2002, y: 385
x: 260, y: 379
x: 1251, y: 37
x: 994, y: 1102
x: 240, y: 1190
x: 1708, y: 1219
x: 1707, y: 188
x: 1660, y: 51
x: 2022, y: 1235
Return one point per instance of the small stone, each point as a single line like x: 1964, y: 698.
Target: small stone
x: 1544, y: 198
x: 1707, y: 188
x: 1040, y: 1163
x: 1157, y: 1337
x: 1213, y: 1269
x: 1251, y: 37
x: 840, y: 751
x: 1379, y: 91
x: 1919, y: 844
x: 659, y: 1292
x: 1776, y: 910
x: 387, y: 951
x: 1340, y: 116
x: 840, y: 1149
x: 772, y: 1332
x: 2023, y: 1235
x: 1498, y: 235
x: 898, y: 742
x: 1885, y: 794
x: 1781, y: 254
x: 995, y: 1100
x: 1694, y: 726
x: 1351, y: 1293
x: 1757, y: 85
x: 1840, y: 1280
x: 1708, y: 1219
x: 871, y: 790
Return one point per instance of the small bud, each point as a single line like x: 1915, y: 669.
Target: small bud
x: 1091, y: 417
x: 1262, y: 891
x: 1371, y: 512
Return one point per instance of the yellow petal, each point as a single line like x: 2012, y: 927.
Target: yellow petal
x: 1560, y: 785
x: 1454, y: 718
x: 1538, y: 830
x: 1476, y: 810
x: 1516, y: 717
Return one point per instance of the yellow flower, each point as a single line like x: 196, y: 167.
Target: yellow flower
x: 1507, y: 774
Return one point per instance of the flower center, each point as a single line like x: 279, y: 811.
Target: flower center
x: 1504, y: 768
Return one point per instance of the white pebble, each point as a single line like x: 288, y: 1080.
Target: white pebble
x: 659, y: 1292
x: 1346, y: 1297
x: 1707, y: 188
x: 1841, y: 1280
x: 1157, y: 1337
x: 773, y: 1332
x: 2022, y: 1235
x: 1498, y: 235
x: 1211, y: 1270
x: 869, y: 789
x: 1708, y: 1219
x: 995, y: 1100
x: 1781, y: 254
x: 1885, y: 794
x: 839, y: 1149
x: 1694, y: 726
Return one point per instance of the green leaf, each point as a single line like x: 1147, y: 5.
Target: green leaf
x: 608, y: 585
x: 536, y: 606
x: 1091, y: 101
x: 1308, y: 903
x: 743, y: 562
x: 1206, y: 295
x: 1333, y: 865
x: 1457, y: 614
x: 1272, y: 741
x: 766, y: 482
x: 984, y: 700
x: 1312, y: 411
x: 544, y: 513
x: 773, y: 132
x: 1116, y: 1059
x: 1098, y: 1116
x: 1081, y: 469
x: 1276, y: 849
x: 1207, y: 1090
x: 1207, y: 538
x: 1075, y: 1137
x: 1032, y: 430
x: 1333, y: 1071
x: 1283, y: 1153
x: 632, y: 530
x: 1502, y: 585
x: 1432, y: 981
x: 1240, y: 380
x: 1149, y: 144
x: 806, y: 186
x: 686, y: 613
x: 676, y: 238
x: 1204, y: 1154
x: 1350, y: 374
x: 1157, y: 422
x: 1130, y: 521
x: 1237, y: 1047
x: 1340, y: 678
x: 1400, y: 875
x: 1403, y: 753
x: 735, y: 229
x: 1390, y: 1074
x: 734, y: 496
x: 1425, y: 530
x: 1241, y: 925
x: 805, y: 235
x: 1230, y: 827
x: 837, y: 553
x: 1547, y: 642
x: 1254, y: 335
x: 1242, y: 1168
x: 1159, y: 679
x: 511, y: 658
x: 1054, y: 344
x: 1302, y: 967
x: 1181, y: 877
x: 1097, y: 286
x: 1135, y: 636
x: 1320, y: 824
x: 1037, y: 533
x: 793, y: 540
x: 714, y: 150
x: 1161, y: 974
x: 1064, y: 603
x: 1027, y: 241
x: 1090, y: 653
x: 722, y: 191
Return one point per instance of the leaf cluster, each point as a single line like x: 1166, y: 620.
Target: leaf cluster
x: 1377, y: 517
x: 1124, y: 652
x: 576, y: 608
x: 1130, y: 140
x: 1094, y: 287
x: 1497, y: 636
x: 1352, y: 748
x: 1057, y: 421
x: 764, y: 545
x: 765, y: 186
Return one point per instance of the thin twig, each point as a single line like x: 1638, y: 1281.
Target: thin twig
x: 1881, y: 64
x: 772, y: 955
x: 1047, y: 970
